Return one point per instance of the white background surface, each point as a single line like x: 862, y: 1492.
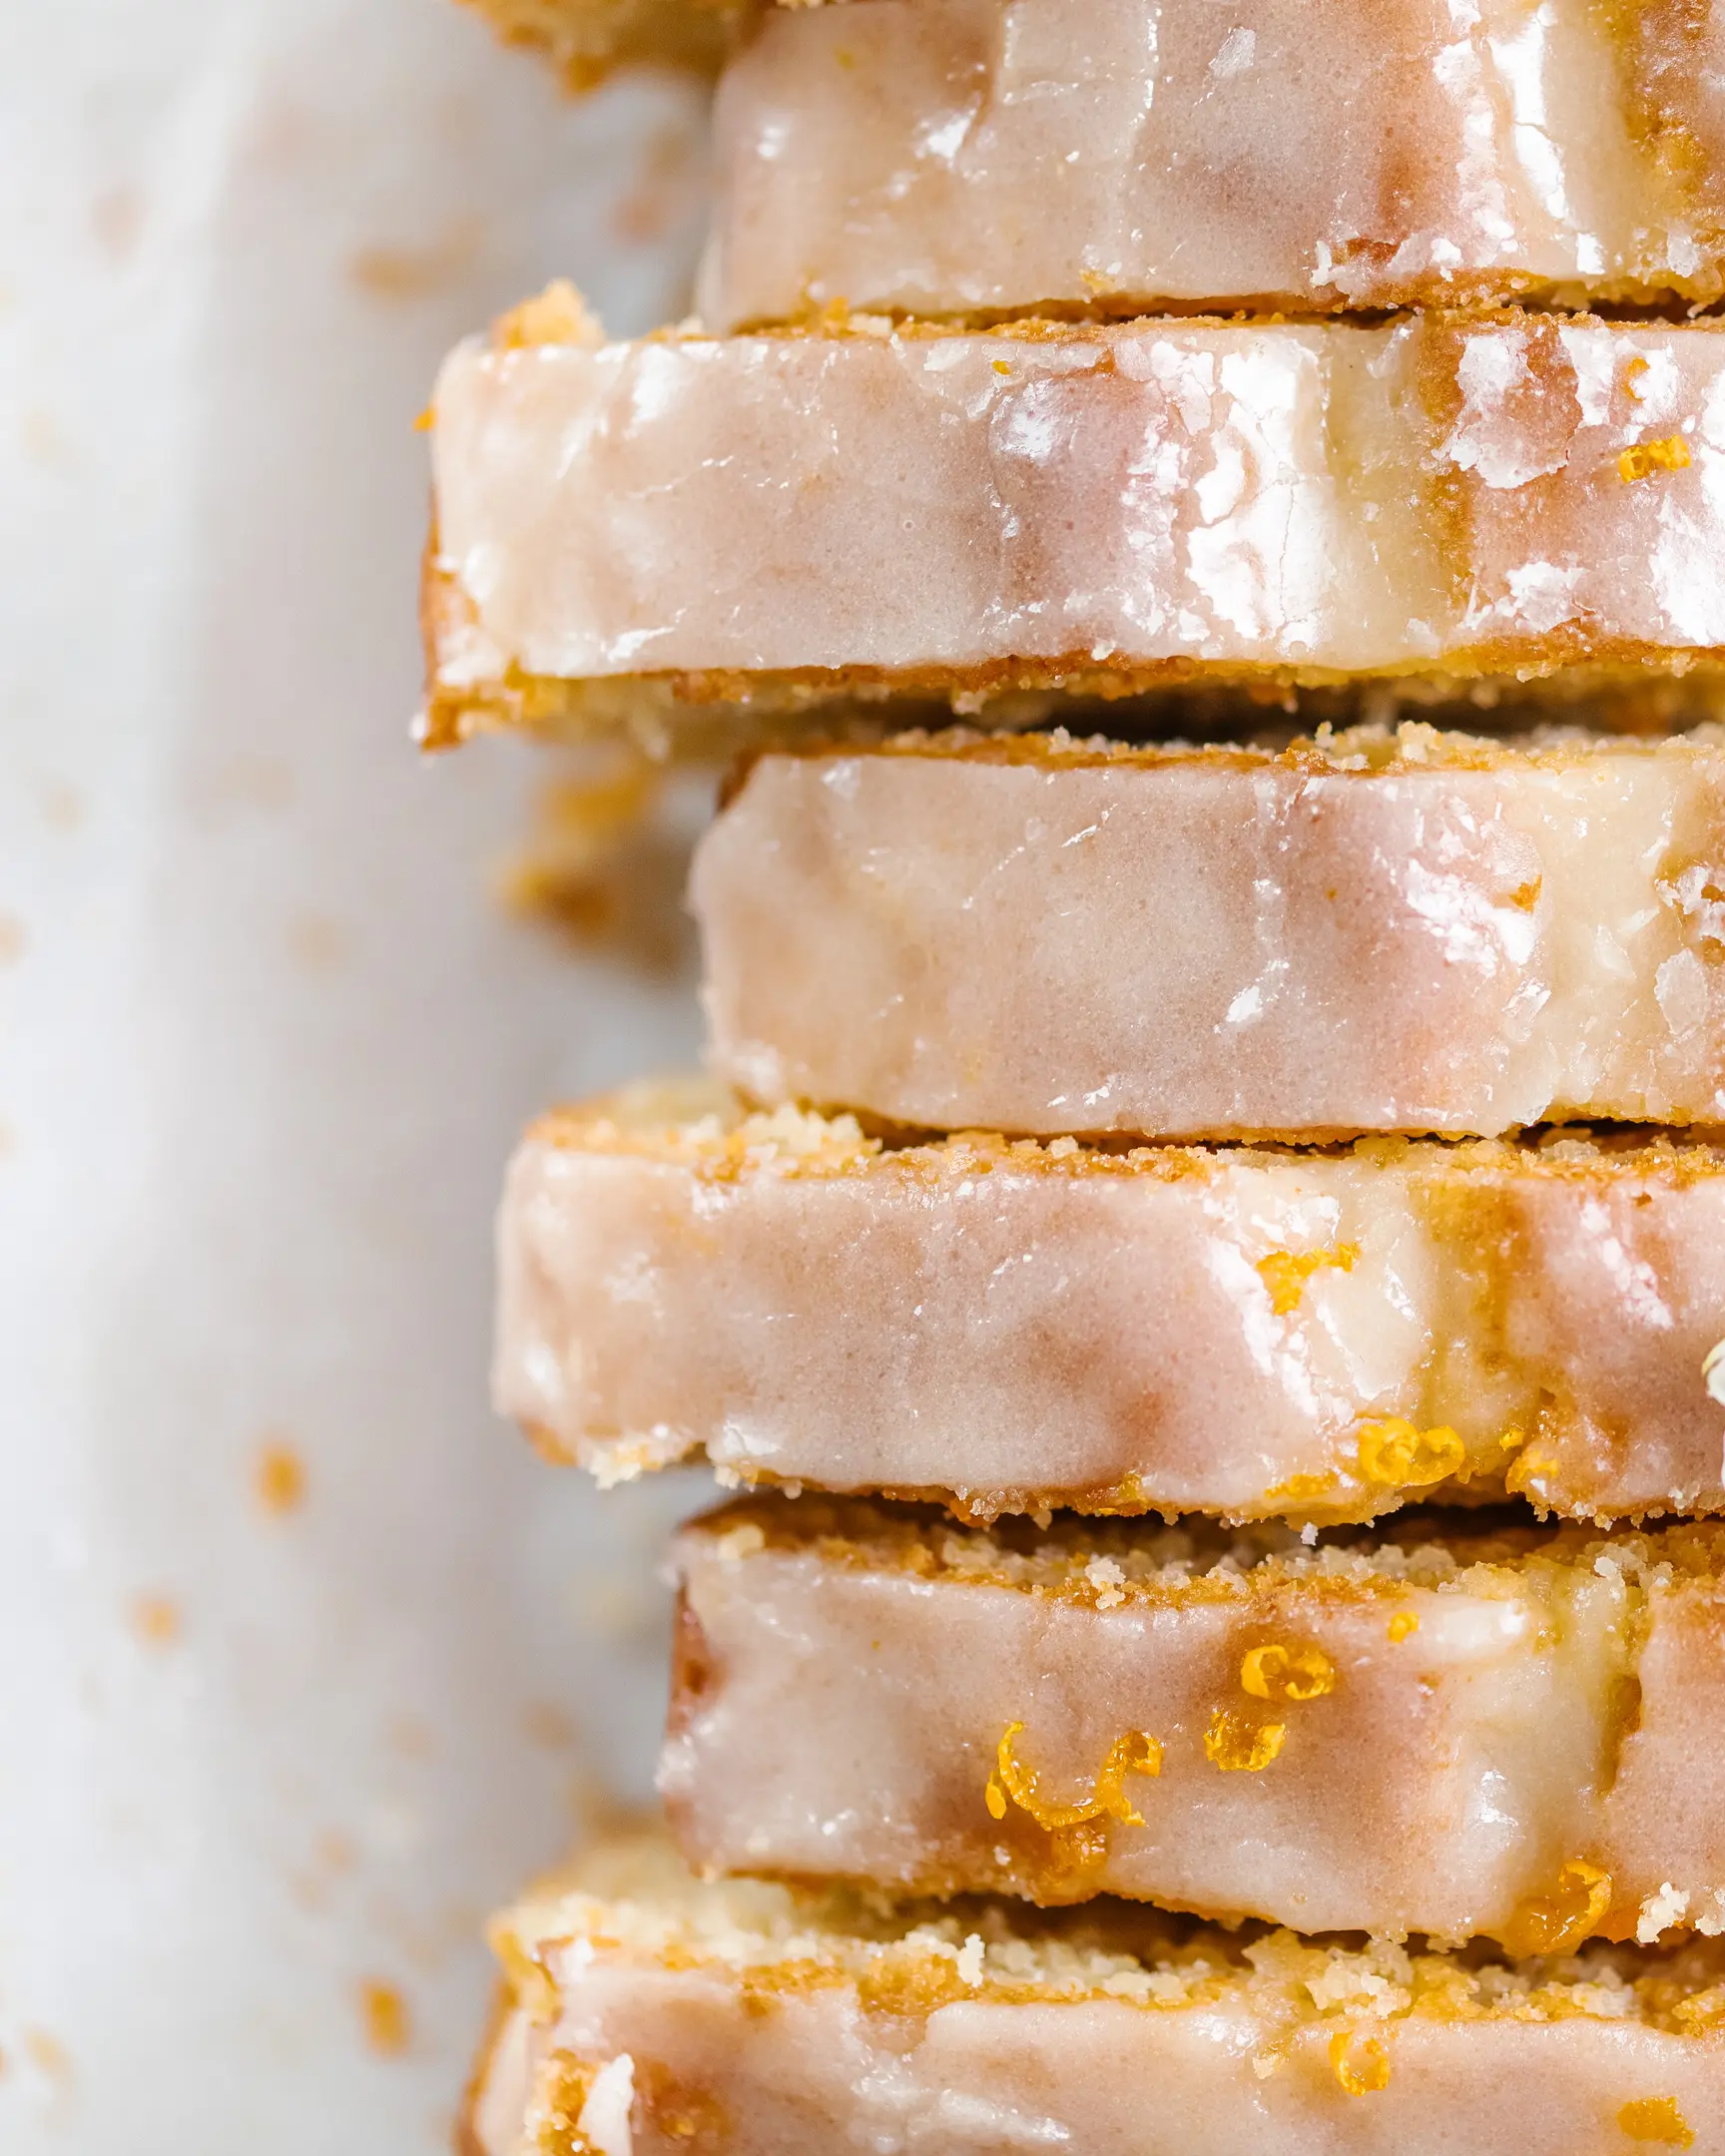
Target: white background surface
x: 264, y: 1039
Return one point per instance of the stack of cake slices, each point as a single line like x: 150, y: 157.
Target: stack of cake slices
x: 1202, y: 1257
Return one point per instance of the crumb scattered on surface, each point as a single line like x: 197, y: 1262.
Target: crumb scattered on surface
x: 410, y: 272
x: 317, y: 943
x: 279, y: 1478
x: 117, y: 222
x: 413, y: 1736
x: 62, y: 804
x: 45, y: 440
x: 49, y: 2053
x: 549, y: 1725
x: 384, y: 2017
x: 156, y: 1620
x: 12, y: 939
x: 606, y: 861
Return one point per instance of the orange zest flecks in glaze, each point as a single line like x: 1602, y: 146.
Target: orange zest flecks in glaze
x: 1362, y: 2066
x: 1277, y: 1672
x: 1642, y: 459
x: 1554, y: 1923
x: 1658, y: 2119
x: 1286, y: 1274
x: 1402, y: 1626
x: 1400, y: 1456
x: 1134, y: 1752
x: 1301, y: 1488
x: 1239, y: 1746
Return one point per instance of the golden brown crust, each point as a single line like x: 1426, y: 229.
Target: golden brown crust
x: 1200, y: 1563
x: 730, y: 709
x: 786, y: 1938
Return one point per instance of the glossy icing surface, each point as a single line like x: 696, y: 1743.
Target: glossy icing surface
x: 648, y: 2015
x: 1009, y: 1325
x: 985, y: 157
x: 1427, y: 937
x: 1120, y: 506
x: 1449, y: 1737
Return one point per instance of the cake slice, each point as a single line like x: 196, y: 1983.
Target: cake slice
x: 1015, y: 1326
x: 773, y: 522
x: 1449, y: 1734
x: 1415, y: 931
x: 975, y: 159
x: 647, y: 2015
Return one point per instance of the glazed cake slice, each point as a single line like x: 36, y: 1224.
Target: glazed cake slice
x: 645, y: 2014
x: 1014, y: 1325
x: 1367, y: 932
x: 768, y: 522
x: 977, y: 158
x: 1513, y: 1733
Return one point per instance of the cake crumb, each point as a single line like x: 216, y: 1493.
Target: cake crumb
x: 280, y: 1478
x: 155, y: 1619
x: 384, y: 2012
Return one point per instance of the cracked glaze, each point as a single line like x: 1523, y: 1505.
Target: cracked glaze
x: 1488, y: 1713
x: 1125, y: 504
x: 1224, y: 944
x: 1009, y: 1327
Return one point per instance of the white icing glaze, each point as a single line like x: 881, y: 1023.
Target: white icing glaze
x: 840, y: 1706
x: 1322, y: 499
x: 965, y: 1318
x: 949, y: 156
x: 1222, y: 946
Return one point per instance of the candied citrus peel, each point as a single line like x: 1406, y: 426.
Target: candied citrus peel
x: 1239, y: 1746
x: 1276, y: 1672
x: 1642, y: 459
x: 1656, y: 2118
x: 1393, y: 1453
x: 1554, y: 1923
x: 1134, y: 1752
x: 1367, y: 2070
x: 1402, y: 1626
x: 1286, y: 1274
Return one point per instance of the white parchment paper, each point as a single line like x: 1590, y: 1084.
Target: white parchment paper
x: 264, y: 1040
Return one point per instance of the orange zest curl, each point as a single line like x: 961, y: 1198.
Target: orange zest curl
x: 1642, y: 459
x: 1394, y: 1453
x: 1238, y: 1745
x: 1554, y: 1923
x: 1656, y: 2118
x: 1368, y: 2071
x: 1276, y: 1672
x: 1134, y: 1752
x: 1286, y: 1274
